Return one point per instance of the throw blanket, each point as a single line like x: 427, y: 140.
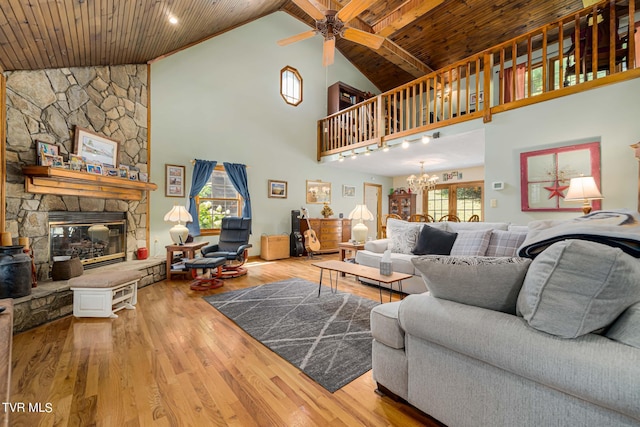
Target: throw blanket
x: 617, y: 228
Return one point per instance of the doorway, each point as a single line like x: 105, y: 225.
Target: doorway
x: 373, y: 201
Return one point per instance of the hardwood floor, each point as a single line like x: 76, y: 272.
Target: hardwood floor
x: 176, y: 361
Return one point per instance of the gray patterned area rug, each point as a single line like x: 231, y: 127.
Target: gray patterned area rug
x: 327, y: 337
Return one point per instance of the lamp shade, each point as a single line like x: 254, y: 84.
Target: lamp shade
x: 360, y: 230
x: 361, y: 212
x: 582, y: 188
x: 178, y: 214
x: 178, y: 232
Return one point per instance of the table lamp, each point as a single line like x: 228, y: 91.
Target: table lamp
x: 360, y: 230
x: 583, y: 189
x: 178, y: 232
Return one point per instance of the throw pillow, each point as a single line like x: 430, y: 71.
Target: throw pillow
x: 505, y: 243
x: 402, y: 235
x: 626, y: 329
x: 488, y: 282
x: 471, y: 243
x: 432, y: 241
x: 575, y: 287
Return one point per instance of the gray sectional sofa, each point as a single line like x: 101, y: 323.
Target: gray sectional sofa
x: 553, y: 341
x: 474, y: 238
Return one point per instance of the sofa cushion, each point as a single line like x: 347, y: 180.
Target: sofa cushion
x: 626, y: 329
x: 400, y: 263
x: 379, y: 245
x: 472, y: 243
x: 591, y: 368
x: 432, y: 241
x: 474, y: 226
x: 487, y: 282
x: 403, y: 235
x: 385, y: 327
x: 505, y: 243
x: 575, y: 287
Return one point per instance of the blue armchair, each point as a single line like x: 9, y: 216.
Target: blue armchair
x: 233, y: 245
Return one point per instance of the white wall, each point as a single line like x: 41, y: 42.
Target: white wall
x: 219, y: 100
x: 608, y: 114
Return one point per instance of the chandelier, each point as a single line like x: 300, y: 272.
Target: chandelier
x: 418, y: 184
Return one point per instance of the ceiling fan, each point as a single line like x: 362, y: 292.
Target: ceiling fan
x: 331, y: 24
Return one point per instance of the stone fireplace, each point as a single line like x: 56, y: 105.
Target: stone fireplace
x: 96, y: 238
x: 47, y: 105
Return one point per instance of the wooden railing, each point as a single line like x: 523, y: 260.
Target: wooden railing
x: 549, y: 63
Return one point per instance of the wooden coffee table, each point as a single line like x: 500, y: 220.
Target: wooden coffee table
x: 359, y: 271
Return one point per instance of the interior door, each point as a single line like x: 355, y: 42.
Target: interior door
x: 373, y: 201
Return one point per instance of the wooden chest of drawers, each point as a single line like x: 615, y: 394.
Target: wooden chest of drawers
x: 330, y: 232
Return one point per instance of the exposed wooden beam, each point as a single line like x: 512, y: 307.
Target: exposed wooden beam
x: 403, y: 16
x: 403, y: 59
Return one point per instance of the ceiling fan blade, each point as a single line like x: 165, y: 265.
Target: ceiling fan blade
x: 310, y: 9
x: 373, y: 41
x: 353, y: 9
x: 328, y: 51
x: 297, y: 38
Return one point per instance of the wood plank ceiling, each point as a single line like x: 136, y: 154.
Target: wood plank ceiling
x: 422, y: 35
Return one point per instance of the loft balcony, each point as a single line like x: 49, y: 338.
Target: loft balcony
x: 596, y: 46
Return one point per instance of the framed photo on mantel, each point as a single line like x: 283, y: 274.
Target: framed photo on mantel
x: 95, y: 148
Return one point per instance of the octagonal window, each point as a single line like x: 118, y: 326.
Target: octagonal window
x: 291, y: 86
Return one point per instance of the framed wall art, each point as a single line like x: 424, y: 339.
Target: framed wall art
x: 96, y: 148
x: 318, y: 192
x: 545, y: 175
x: 174, y: 184
x: 349, y: 191
x: 277, y: 189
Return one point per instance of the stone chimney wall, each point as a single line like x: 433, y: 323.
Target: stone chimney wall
x: 46, y: 105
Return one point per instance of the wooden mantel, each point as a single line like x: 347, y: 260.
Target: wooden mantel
x: 59, y: 181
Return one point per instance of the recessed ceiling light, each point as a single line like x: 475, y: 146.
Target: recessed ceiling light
x: 173, y: 20
x: 405, y: 144
x: 426, y: 139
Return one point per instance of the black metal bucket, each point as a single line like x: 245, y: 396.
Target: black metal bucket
x: 15, y: 272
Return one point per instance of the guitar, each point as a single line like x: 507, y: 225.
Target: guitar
x: 312, y: 244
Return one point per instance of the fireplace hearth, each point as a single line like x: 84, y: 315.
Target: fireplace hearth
x: 97, y: 238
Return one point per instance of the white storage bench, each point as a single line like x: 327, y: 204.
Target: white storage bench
x: 102, y: 294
